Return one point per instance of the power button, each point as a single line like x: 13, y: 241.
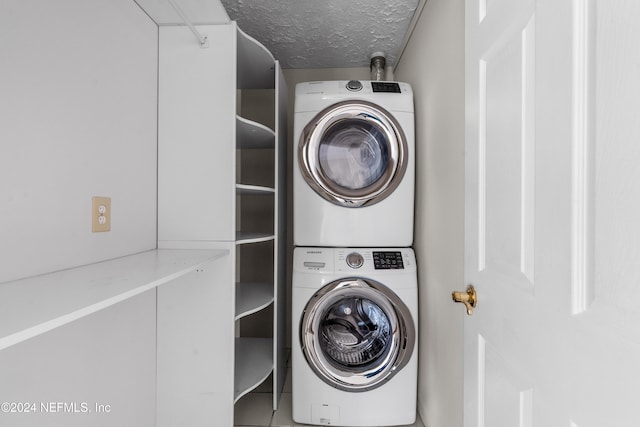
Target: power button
x: 355, y: 260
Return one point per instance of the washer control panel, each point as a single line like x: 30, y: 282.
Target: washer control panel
x: 360, y: 261
x: 374, y: 260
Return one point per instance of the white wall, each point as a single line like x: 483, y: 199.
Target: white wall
x: 433, y: 63
x: 78, y: 118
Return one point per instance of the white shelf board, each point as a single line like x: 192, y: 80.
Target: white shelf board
x: 250, y: 237
x: 32, y: 306
x: 257, y: 190
x: 252, y: 297
x: 254, y: 363
x: 256, y: 65
x: 250, y: 134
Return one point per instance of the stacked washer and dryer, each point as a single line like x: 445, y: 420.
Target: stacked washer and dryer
x: 354, y: 283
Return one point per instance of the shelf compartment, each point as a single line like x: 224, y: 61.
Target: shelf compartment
x: 254, y: 364
x: 251, y: 135
x: 255, y: 64
x: 256, y: 167
x: 255, y: 206
x: 252, y: 297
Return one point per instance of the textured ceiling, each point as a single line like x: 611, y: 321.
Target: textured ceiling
x: 327, y: 33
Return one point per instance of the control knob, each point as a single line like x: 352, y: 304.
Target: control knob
x: 355, y: 260
x: 354, y: 85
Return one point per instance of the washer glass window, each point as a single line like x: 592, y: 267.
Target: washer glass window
x: 356, y: 334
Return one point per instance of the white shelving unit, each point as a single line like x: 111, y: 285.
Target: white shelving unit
x: 187, y: 296
x: 221, y: 183
x: 257, y: 357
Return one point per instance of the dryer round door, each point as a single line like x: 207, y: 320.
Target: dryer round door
x: 353, y: 153
x: 356, y: 334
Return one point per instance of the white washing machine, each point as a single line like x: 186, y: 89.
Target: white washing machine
x: 354, y: 344
x: 354, y: 170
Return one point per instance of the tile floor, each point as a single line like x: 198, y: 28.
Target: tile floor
x: 255, y: 409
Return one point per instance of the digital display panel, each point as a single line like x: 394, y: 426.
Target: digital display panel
x: 385, y: 87
x: 388, y: 261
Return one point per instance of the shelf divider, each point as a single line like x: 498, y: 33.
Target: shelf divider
x: 252, y: 297
x: 254, y: 363
x: 255, y: 64
x: 252, y: 135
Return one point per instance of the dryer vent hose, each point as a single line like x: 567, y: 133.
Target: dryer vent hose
x: 377, y: 66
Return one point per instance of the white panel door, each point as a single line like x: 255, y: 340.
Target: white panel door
x: 552, y: 213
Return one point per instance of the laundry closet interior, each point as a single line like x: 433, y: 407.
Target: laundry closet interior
x: 180, y: 314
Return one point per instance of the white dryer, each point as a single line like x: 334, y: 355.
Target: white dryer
x: 353, y: 182
x: 354, y: 344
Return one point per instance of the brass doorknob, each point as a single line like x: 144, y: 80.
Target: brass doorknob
x: 468, y: 298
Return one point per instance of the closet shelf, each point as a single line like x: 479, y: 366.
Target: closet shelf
x: 252, y: 297
x: 39, y: 304
x: 254, y: 363
x: 252, y: 135
x: 243, y: 237
x: 257, y: 190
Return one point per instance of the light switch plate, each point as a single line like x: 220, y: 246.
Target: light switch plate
x: 101, y: 214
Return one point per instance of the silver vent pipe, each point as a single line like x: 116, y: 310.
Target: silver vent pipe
x: 377, y: 66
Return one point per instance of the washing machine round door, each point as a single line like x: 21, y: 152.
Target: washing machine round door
x: 356, y: 334
x: 353, y: 153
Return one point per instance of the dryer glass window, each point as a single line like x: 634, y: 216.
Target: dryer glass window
x: 355, y: 334
x: 354, y: 154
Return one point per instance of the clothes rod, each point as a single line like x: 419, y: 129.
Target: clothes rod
x: 204, y: 41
